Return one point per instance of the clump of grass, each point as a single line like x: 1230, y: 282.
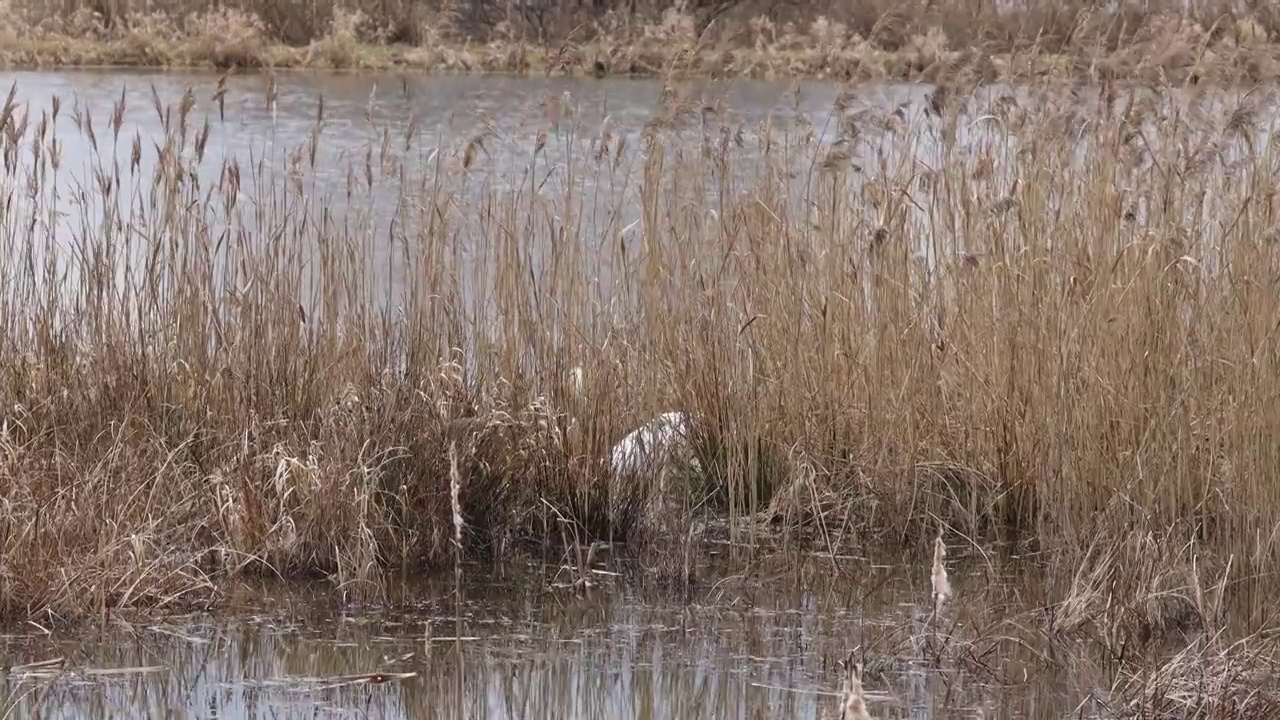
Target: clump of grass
x: 1207, y: 678
x: 1141, y: 594
x: 226, y: 37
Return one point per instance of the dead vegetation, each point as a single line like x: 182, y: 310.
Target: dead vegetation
x: 206, y: 372
x: 1156, y: 41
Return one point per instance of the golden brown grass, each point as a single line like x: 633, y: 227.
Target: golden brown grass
x: 1160, y: 41
x: 208, y: 378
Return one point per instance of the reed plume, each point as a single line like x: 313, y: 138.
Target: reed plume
x: 455, y: 493
x: 853, y: 704
x: 938, y: 577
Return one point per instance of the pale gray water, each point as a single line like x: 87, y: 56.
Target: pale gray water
x: 740, y: 647
x: 413, y: 130
x: 422, y: 124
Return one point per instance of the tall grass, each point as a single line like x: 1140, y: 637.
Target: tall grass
x: 1047, y: 318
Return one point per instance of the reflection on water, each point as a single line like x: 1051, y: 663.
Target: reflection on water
x: 743, y: 646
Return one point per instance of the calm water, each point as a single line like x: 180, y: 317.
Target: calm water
x: 391, y: 145
x: 758, y: 645
x: 410, y: 133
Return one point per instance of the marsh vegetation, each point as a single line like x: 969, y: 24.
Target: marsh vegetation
x: 1159, y: 41
x: 1038, y: 318
x: 895, y: 318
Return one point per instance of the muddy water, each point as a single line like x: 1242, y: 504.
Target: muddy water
x: 763, y: 644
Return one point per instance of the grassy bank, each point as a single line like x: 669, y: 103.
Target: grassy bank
x: 950, y: 41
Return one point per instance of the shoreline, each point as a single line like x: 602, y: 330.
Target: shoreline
x: 1257, y: 63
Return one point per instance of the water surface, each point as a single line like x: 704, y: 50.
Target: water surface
x: 760, y: 643
x: 394, y: 156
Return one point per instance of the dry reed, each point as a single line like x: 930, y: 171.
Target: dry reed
x: 853, y: 706
x: 218, y: 375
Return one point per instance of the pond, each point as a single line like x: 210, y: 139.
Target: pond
x: 389, y: 162
x: 411, y: 134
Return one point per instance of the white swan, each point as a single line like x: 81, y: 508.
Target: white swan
x: 651, y: 450
x: 654, y: 446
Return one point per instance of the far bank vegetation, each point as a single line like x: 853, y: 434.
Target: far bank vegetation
x: 841, y: 39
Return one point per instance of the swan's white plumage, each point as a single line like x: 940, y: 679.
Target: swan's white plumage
x: 654, y: 446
